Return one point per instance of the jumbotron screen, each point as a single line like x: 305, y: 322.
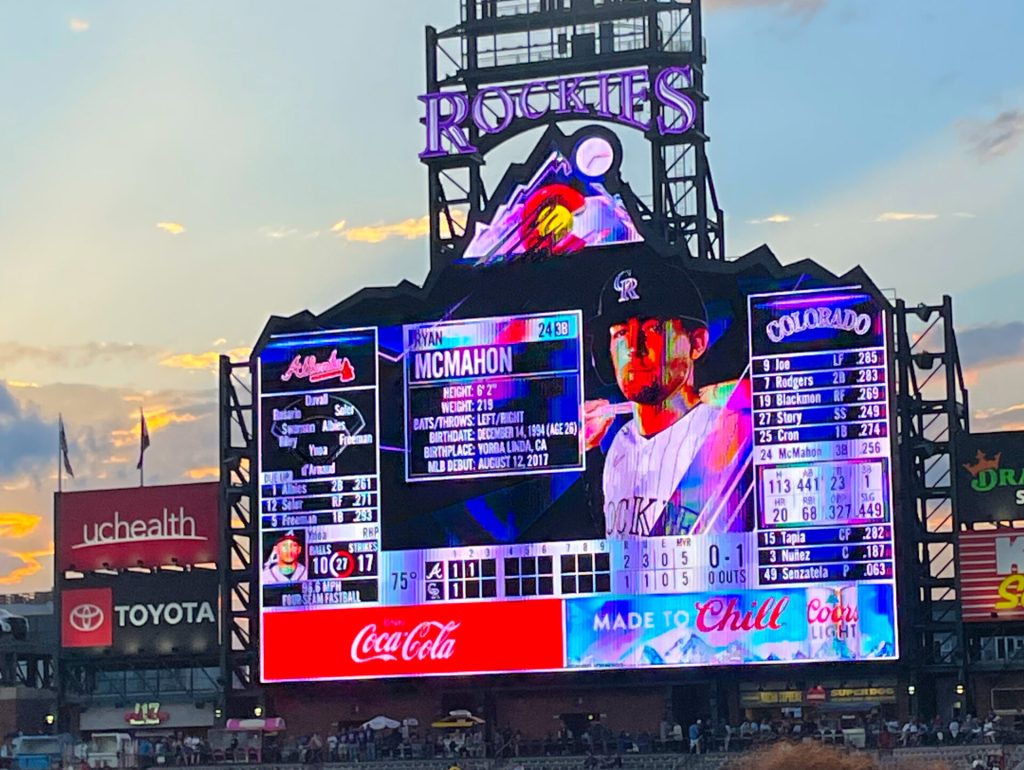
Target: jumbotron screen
x: 609, y: 458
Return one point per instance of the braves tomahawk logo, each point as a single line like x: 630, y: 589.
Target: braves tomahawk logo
x: 430, y: 640
x: 626, y: 285
x: 308, y: 368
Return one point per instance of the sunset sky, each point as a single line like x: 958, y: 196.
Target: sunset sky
x: 172, y: 173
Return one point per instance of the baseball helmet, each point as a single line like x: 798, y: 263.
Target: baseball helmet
x: 643, y: 290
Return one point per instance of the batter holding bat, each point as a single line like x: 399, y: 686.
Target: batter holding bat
x: 652, y: 322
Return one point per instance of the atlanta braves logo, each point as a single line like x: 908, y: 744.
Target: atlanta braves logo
x: 625, y: 284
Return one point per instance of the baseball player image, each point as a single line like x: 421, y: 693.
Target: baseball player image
x: 283, y: 565
x: 675, y: 460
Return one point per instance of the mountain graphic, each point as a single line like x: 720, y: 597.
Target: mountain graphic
x: 691, y: 649
x: 834, y: 649
x: 883, y: 650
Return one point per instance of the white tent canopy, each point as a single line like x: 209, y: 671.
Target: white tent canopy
x: 381, y: 722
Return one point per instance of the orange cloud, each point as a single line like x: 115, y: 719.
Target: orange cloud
x: 408, y: 229
x: 18, y: 524
x: 208, y: 361
x: 174, y: 228
x: 196, y: 474
x: 30, y: 565
x: 157, y: 419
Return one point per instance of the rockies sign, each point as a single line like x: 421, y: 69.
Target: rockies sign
x: 990, y: 476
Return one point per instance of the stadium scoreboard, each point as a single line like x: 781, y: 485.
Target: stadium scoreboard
x: 574, y: 450
x: 790, y: 557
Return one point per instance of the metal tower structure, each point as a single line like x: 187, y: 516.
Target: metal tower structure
x: 504, y: 42
x: 932, y: 409
x: 239, y: 536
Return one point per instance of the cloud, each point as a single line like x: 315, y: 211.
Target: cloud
x: 905, y: 216
x: 207, y: 361
x: 277, y: 232
x: 207, y: 472
x: 174, y: 228
x: 409, y: 229
x: 63, y: 356
x: 25, y: 436
x: 988, y: 139
x: 26, y: 564
x: 988, y: 345
x: 18, y: 564
x: 78, y: 25
x: 17, y: 524
x: 774, y: 219
x: 1001, y: 418
x: 805, y: 8
x: 157, y: 418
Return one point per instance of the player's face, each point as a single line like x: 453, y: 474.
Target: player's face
x: 288, y: 553
x: 654, y: 357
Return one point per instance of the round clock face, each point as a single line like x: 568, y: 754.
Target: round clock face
x: 594, y: 156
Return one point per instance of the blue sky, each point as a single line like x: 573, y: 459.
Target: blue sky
x: 175, y: 172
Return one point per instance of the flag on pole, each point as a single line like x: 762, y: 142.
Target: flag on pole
x: 143, y: 439
x: 64, y: 447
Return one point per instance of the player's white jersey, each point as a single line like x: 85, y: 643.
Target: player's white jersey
x: 273, y: 574
x: 642, y: 474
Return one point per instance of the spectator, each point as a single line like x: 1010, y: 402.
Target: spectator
x: 695, y: 737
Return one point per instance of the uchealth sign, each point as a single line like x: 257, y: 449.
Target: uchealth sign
x: 138, y: 526
x: 992, y: 575
x: 141, y: 614
x: 375, y: 642
x: 990, y: 476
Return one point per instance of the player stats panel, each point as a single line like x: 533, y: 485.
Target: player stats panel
x: 822, y: 451
x: 319, y: 477
x: 494, y: 396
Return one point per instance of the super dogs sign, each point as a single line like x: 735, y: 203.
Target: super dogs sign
x: 990, y: 476
x: 992, y: 575
x: 143, y: 526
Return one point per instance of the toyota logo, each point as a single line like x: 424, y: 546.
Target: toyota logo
x: 85, y: 618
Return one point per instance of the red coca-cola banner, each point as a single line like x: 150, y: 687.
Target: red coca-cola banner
x: 351, y: 643
x: 138, y: 526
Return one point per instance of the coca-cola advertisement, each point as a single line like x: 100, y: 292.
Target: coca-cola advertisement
x: 138, y: 527
x: 357, y: 643
x: 851, y: 622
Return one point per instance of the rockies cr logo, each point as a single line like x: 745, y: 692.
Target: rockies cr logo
x: 85, y: 618
x: 625, y: 284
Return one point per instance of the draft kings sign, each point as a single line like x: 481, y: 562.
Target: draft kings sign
x: 990, y: 476
x: 992, y: 575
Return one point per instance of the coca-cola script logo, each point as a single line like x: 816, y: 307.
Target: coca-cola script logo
x: 308, y: 368
x: 727, y: 615
x: 430, y: 640
x: 86, y: 617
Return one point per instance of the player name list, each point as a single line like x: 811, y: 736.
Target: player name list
x: 319, y: 466
x: 494, y: 397
x: 821, y: 442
